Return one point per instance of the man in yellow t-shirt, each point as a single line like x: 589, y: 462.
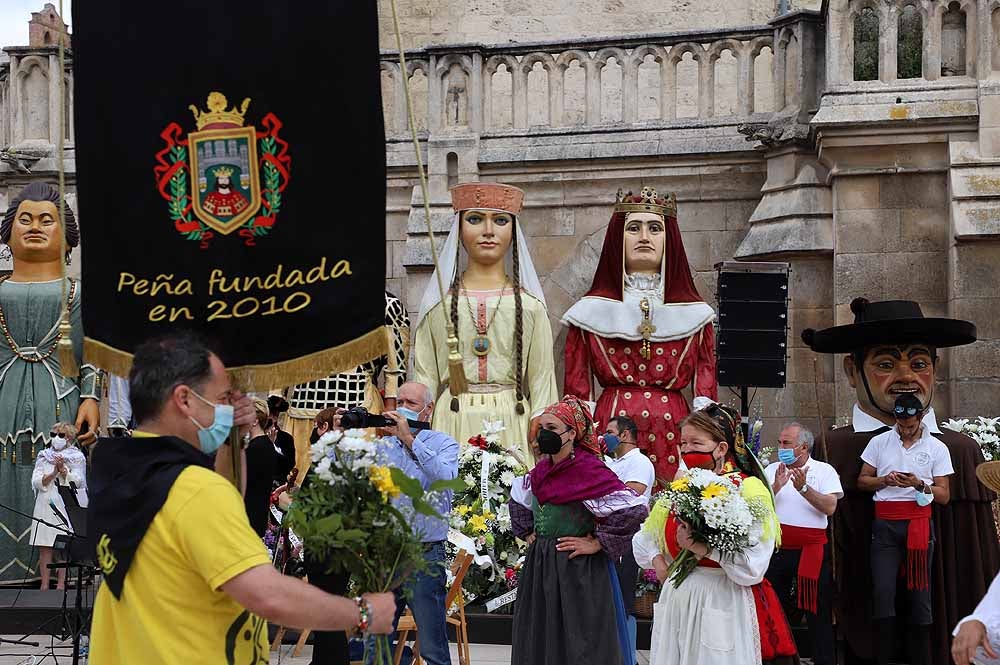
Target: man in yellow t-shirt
x: 186, y: 578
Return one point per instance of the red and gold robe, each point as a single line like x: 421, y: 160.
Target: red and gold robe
x: 648, y: 391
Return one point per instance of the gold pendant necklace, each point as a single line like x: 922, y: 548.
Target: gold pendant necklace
x: 481, y: 343
x: 646, y: 329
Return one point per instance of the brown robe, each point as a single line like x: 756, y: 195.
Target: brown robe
x: 966, y: 555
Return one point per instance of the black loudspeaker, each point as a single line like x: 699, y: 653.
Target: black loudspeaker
x: 751, y: 347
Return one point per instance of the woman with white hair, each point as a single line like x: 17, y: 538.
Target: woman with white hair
x: 59, y: 463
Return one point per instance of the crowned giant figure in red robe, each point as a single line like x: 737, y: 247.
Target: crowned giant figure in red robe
x: 642, y: 331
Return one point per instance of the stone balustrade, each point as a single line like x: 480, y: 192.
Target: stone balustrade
x: 911, y: 41
x: 633, y: 83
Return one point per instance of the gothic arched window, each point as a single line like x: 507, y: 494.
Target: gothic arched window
x: 866, y: 45
x: 910, y: 44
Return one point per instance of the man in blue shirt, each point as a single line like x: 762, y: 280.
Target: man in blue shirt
x: 427, y: 456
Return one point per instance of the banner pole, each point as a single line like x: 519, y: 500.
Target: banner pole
x: 457, y: 382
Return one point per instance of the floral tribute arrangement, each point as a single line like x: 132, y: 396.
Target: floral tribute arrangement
x: 480, y: 514
x: 718, y: 515
x: 986, y: 432
x: 346, y: 516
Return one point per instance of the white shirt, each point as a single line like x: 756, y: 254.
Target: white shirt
x: 926, y: 458
x: 862, y: 422
x: 634, y: 467
x: 792, y: 507
x: 987, y: 612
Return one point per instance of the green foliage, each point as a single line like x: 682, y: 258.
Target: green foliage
x: 179, y: 193
x: 347, y: 522
x: 866, y: 45
x: 909, y: 48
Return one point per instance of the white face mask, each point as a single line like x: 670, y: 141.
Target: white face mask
x: 58, y: 442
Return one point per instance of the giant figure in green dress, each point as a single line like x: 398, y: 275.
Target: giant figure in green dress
x: 34, y: 394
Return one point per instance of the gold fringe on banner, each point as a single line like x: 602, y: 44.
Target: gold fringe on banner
x: 261, y: 378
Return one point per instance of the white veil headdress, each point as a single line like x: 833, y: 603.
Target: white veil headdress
x: 448, y: 265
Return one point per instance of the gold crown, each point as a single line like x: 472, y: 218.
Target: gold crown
x: 646, y: 201
x: 217, y: 113
x: 222, y: 172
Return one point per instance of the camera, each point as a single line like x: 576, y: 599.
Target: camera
x: 359, y: 418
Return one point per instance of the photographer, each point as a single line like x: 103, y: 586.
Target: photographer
x: 427, y: 456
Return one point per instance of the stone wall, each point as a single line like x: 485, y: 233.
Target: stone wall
x: 424, y: 22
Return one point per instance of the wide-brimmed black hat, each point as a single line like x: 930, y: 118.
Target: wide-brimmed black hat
x: 889, y: 322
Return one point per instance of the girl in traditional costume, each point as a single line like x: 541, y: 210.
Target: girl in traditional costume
x: 500, y: 318
x: 578, y: 518
x: 642, y: 331
x: 725, y: 612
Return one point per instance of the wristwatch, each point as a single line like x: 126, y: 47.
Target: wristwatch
x: 804, y: 488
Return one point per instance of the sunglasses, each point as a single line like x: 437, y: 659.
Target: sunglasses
x: 905, y: 411
x: 53, y: 435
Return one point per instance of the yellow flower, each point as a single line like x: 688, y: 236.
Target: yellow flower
x: 713, y: 490
x: 489, y: 516
x: 680, y: 485
x: 382, y: 480
x: 463, y: 510
x: 477, y: 523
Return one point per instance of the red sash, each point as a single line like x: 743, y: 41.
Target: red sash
x: 918, y: 537
x: 811, y: 542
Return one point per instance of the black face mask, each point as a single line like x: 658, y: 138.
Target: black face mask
x: 314, y: 437
x: 549, y: 442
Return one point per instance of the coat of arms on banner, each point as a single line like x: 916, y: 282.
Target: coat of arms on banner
x: 225, y: 176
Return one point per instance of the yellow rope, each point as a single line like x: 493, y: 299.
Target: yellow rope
x: 456, y: 370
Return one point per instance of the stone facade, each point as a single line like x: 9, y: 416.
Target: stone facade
x: 34, y: 113
x: 882, y: 188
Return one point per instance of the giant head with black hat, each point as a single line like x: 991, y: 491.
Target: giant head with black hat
x: 891, y: 350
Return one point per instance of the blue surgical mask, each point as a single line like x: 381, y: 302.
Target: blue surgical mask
x: 611, y: 441
x: 787, y: 456
x: 924, y: 499
x: 409, y: 414
x: 214, y: 435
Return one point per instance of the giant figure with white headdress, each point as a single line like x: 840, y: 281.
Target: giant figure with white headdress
x: 496, y: 307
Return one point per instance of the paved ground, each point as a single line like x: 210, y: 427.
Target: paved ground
x: 12, y: 654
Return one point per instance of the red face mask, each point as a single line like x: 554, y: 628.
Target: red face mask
x: 699, y: 460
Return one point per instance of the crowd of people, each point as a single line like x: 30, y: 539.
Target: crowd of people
x: 872, y: 532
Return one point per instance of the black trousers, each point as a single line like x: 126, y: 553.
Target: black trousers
x: 782, y: 573
x: 628, y: 576
x: 329, y: 648
x: 888, y: 553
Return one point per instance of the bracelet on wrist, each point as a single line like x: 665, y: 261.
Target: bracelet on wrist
x: 364, y: 615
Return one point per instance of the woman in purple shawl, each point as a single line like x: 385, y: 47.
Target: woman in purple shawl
x: 577, y: 518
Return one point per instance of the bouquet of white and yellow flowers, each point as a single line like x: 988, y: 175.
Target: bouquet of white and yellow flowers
x: 718, y: 514
x: 346, y: 516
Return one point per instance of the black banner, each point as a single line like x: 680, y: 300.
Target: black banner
x: 231, y: 180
